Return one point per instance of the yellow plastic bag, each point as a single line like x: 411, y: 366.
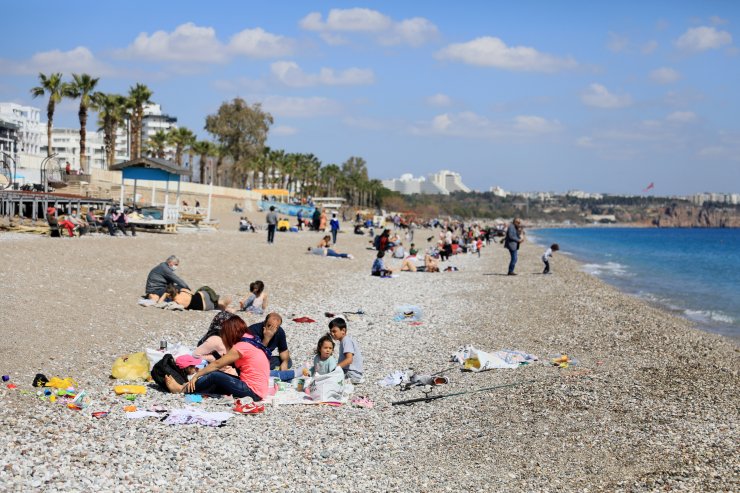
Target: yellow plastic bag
x: 131, y: 367
x: 61, y: 383
x: 129, y: 389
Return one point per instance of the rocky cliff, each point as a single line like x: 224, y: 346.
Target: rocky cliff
x: 690, y: 216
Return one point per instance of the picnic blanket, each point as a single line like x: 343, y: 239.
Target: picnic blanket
x: 474, y: 359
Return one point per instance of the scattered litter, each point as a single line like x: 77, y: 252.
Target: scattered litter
x: 304, y: 320
x: 12, y: 386
x: 100, y: 414
x: 40, y: 380
x: 562, y: 361
x: 416, y: 323
x: 129, y: 389
x: 60, y: 383
x: 363, y: 402
x: 476, y: 360
x: 129, y: 409
x: 407, y: 379
x: 408, y: 313
x: 80, y: 402
x: 193, y: 398
x: 6, y: 378
x: 191, y: 416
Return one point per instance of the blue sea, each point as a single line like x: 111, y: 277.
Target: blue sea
x: 695, y: 272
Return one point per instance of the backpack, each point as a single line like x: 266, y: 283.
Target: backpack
x: 166, y: 366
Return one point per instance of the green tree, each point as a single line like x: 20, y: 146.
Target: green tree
x: 157, y: 144
x: 354, y: 170
x: 203, y: 149
x: 111, y: 110
x: 241, y: 130
x: 51, y: 85
x: 138, y: 96
x: 81, y: 87
x: 181, y: 138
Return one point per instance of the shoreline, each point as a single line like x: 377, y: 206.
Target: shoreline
x: 647, y: 383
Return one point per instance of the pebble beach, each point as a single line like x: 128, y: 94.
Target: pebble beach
x: 651, y: 405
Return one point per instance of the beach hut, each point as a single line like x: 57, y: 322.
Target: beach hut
x: 153, y: 169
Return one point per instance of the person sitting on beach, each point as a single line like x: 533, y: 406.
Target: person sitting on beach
x: 350, y: 356
x: 398, y: 251
x: 246, y: 353
x: 412, y: 250
x: 548, y: 255
x: 323, y: 248
x: 378, y: 269
x: 256, y: 301
x: 80, y: 223
x: 273, y: 337
x: 324, y: 361
x: 121, y: 220
x: 211, y: 347
x: 162, y: 275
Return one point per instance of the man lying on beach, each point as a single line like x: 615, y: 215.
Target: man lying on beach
x: 162, y: 275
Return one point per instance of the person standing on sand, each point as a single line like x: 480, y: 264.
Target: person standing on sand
x: 512, y: 241
x: 272, y: 220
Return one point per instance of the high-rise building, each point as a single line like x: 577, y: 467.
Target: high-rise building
x: 450, y: 181
x: 152, y: 122
x: 442, y: 183
x: 31, y: 131
x: 65, y: 142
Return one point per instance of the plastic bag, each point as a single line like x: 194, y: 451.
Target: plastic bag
x: 129, y: 389
x: 408, y: 313
x: 61, y: 383
x: 328, y: 387
x: 154, y: 355
x: 131, y: 367
x: 476, y: 360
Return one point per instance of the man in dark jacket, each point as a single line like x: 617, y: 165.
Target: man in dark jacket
x: 512, y: 241
x: 162, y: 275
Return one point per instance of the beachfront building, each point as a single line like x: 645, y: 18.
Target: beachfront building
x: 31, y: 132
x: 580, y: 194
x: 408, y: 185
x: 65, y: 142
x: 154, y: 121
x: 718, y: 198
x: 448, y: 180
x: 9, y: 137
x: 499, y: 192
x: 442, y: 183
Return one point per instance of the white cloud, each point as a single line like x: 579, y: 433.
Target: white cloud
x: 617, y: 43
x: 717, y: 20
x: 283, y: 130
x: 187, y: 43
x: 354, y: 20
x: 471, y: 125
x: 258, y: 43
x: 703, y: 38
x: 300, y: 107
x: 599, y: 96
x: 649, y: 47
x: 290, y: 74
x: 681, y: 117
x: 76, y: 60
x: 414, y: 31
x: 439, y: 100
x: 664, y: 75
x: 586, y: 142
x: 492, y: 52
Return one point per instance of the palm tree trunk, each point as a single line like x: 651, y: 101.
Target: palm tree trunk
x: 50, y: 119
x: 83, y: 137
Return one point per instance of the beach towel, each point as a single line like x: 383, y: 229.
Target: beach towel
x: 304, y: 320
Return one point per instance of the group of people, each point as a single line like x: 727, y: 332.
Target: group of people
x: 113, y: 220
x: 237, y: 359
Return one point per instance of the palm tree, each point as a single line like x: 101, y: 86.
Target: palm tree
x: 81, y: 87
x: 157, y: 144
x: 180, y: 138
x: 330, y: 176
x: 111, y: 110
x: 203, y: 148
x: 51, y: 85
x: 138, y: 96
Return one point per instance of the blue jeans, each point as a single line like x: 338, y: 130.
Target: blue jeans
x: 334, y: 236
x: 332, y: 253
x: 220, y: 383
x: 512, y: 263
x: 271, y: 233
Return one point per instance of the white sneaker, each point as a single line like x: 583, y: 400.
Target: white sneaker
x: 350, y: 256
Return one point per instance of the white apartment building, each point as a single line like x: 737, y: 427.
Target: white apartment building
x: 153, y: 121
x: 66, y: 143
x: 31, y: 132
x: 721, y: 198
x: 408, y: 185
x: 448, y: 180
x: 8, y: 137
x: 499, y: 192
x: 580, y: 194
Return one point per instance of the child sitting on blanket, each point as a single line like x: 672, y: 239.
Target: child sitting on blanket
x: 324, y: 362
x: 189, y: 364
x: 350, y: 357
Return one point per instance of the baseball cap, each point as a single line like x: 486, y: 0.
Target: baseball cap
x: 186, y: 360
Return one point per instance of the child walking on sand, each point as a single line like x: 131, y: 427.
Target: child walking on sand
x: 324, y: 362
x: 548, y: 255
x: 350, y: 356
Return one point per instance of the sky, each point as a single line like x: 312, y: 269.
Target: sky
x: 548, y: 96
